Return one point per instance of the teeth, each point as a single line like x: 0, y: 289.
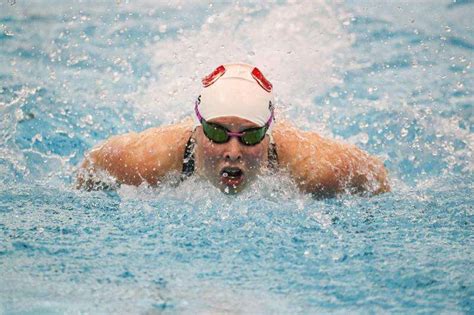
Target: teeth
x: 231, y: 172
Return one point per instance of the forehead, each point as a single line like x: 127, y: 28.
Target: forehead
x: 232, y: 121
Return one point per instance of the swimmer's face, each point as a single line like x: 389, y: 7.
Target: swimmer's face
x: 232, y: 165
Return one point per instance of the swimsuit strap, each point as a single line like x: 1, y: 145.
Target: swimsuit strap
x: 272, y: 157
x: 188, y: 160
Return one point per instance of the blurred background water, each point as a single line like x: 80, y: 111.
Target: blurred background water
x: 394, y: 78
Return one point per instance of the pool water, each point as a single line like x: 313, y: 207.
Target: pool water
x: 394, y: 78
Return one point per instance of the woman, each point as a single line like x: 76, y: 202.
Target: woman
x: 234, y: 139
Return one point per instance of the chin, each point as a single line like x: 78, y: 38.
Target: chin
x: 231, y: 189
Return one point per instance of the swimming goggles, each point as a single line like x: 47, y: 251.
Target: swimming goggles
x: 219, y: 134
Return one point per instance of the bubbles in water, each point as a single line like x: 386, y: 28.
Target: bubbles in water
x: 37, y: 137
x: 403, y: 132
x: 87, y: 119
x: 163, y: 28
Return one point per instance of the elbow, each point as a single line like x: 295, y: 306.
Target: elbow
x: 91, y: 176
x: 376, y: 181
x: 367, y: 178
x: 85, y: 175
x: 382, y: 182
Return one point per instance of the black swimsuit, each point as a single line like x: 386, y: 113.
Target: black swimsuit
x: 188, y: 160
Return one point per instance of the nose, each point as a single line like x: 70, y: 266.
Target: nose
x: 233, y: 151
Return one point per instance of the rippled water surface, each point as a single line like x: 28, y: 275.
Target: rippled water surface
x: 394, y: 78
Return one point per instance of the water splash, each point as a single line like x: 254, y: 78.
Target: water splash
x: 307, y: 38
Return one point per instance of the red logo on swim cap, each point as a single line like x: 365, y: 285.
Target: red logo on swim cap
x: 211, y: 78
x: 261, y: 80
x: 219, y: 72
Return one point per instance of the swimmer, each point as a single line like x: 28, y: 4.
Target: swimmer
x: 235, y: 137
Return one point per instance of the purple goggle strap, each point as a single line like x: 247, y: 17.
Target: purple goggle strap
x: 238, y: 134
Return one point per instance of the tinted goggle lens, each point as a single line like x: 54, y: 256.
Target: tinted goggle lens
x: 219, y: 134
x: 214, y: 132
x: 253, y: 136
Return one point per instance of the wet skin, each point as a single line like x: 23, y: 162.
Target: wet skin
x: 318, y: 165
x: 232, y: 165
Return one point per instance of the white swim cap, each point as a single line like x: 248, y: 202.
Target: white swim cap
x: 237, y: 89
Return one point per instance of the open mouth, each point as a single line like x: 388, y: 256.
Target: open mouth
x: 232, y: 176
x: 231, y: 172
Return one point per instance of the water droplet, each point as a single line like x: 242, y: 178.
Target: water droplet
x: 19, y: 115
x: 87, y: 119
x: 36, y: 137
x: 403, y: 132
x: 364, y: 138
x: 6, y: 31
x: 389, y: 136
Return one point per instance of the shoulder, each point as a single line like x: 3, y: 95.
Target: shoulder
x: 148, y: 155
x: 295, y: 145
x: 170, y: 138
x: 327, y: 166
x: 160, y: 150
x: 289, y: 141
x: 316, y: 163
x: 164, y: 138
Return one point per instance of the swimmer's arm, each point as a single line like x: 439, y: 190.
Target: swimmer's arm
x: 135, y: 158
x: 326, y: 167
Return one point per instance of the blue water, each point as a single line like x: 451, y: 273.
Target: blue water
x: 394, y: 78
